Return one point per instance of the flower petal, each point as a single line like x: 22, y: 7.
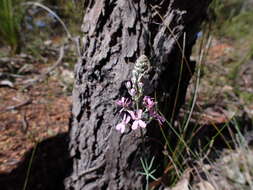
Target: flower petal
x: 121, y: 127
x: 135, y: 125
x: 142, y: 124
x: 149, y: 102
x: 132, y: 92
x: 124, y: 117
x: 127, y: 119
x: 120, y: 101
x: 132, y: 113
x: 128, y: 84
x: 139, y: 113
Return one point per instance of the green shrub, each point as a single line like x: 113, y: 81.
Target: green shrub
x: 240, y: 25
x: 223, y: 11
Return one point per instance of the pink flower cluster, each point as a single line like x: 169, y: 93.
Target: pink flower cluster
x: 137, y: 113
x: 150, y: 105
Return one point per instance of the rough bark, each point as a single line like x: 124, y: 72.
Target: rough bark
x: 116, y: 33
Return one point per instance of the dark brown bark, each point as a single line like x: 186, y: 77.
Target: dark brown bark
x: 116, y: 33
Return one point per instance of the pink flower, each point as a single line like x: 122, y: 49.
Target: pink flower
x: 122, y: 125
x: 124, y: 103
x: 157, y: 117
x: 149, y: 102
x: 136, y: 116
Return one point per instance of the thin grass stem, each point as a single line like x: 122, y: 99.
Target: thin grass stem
x: 30, y: 166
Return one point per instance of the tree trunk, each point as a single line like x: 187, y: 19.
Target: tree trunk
x: 116, y: 33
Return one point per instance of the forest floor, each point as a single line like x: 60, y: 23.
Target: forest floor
x: 31, y: 115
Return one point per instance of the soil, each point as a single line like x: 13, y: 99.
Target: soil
x: 45, y: 114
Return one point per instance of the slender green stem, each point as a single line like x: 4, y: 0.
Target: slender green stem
x: 197, y: 83
x: 30, y: 166
x: 179, y: 80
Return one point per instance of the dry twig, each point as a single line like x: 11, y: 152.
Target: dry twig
x: 9, y: 108
x: 42, y: 77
